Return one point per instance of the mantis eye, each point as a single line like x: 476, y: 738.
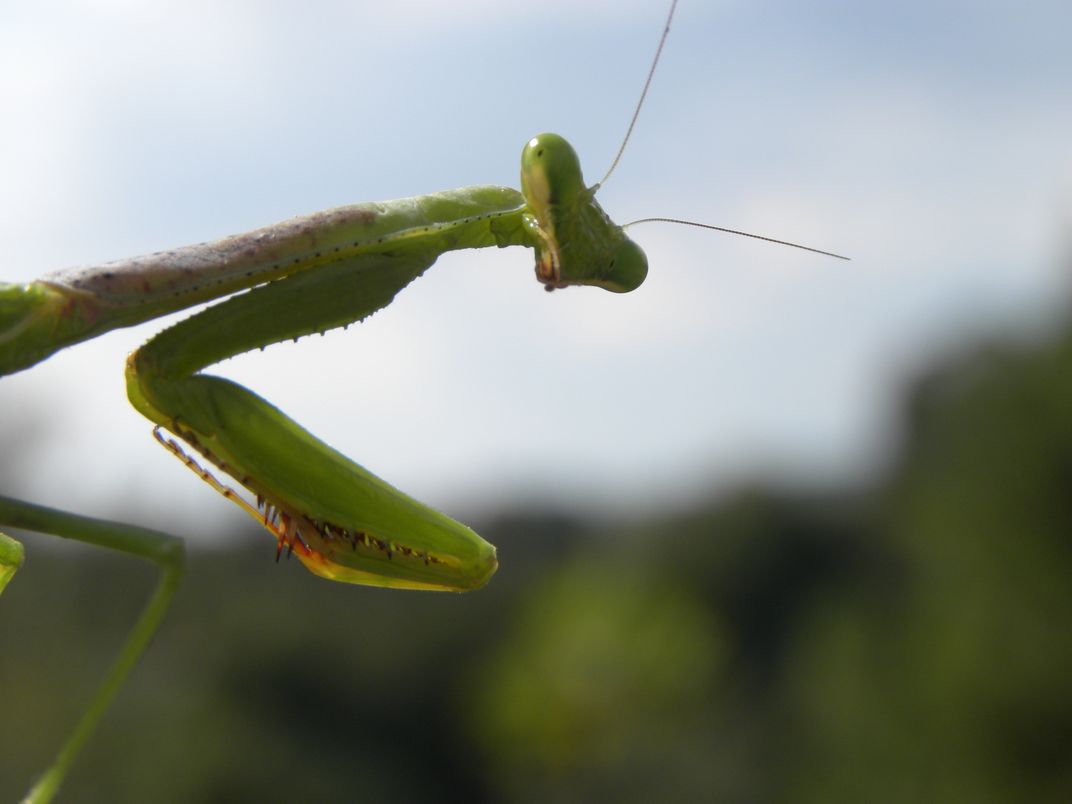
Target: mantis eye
x: 628, y: 268
x: 550, y: 171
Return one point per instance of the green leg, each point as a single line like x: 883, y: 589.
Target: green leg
x: 10, y: 559
x: 164, y: 550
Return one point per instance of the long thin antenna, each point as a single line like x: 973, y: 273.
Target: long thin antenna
x: 736, y: 232
x: 643, y: 94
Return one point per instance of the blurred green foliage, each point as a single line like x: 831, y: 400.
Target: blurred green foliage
x: 907, y: 642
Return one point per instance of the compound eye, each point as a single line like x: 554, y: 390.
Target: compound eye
x: 550, y: 171
x: 627, y: 269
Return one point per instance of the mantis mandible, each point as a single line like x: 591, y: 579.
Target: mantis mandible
x: 299, y: 277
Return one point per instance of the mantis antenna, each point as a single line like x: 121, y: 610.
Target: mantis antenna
x: 643, y: 94
x: 625, y: 141
x: 736, y: 232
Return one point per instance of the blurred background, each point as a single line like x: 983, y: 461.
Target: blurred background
x: 773, y: 527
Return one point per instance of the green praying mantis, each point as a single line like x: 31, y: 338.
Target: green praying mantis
x: 299, y: 277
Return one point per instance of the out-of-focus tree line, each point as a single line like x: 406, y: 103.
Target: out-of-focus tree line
x: 908, y: 641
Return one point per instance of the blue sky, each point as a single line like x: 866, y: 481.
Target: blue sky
x: 931, y: 141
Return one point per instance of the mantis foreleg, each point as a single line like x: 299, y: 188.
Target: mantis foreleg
x: 341, y: 521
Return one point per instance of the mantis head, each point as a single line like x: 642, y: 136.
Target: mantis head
x: 576, y: 243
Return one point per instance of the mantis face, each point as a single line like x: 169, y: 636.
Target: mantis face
x: 577, y: 243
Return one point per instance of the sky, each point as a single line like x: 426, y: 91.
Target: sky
x: 931, y: 141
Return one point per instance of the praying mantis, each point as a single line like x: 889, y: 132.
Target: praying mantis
x: 300, y: 277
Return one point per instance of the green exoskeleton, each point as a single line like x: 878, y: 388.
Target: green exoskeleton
x: 310, y: 274
x: 302, y: 276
